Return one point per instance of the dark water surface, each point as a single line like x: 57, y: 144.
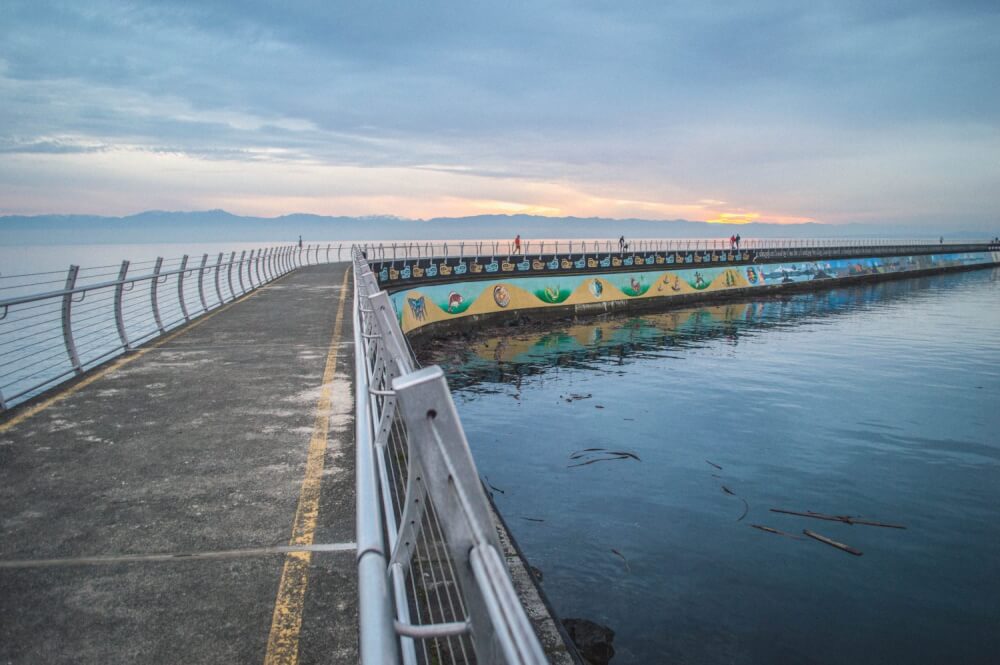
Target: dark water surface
x: 881, y: 401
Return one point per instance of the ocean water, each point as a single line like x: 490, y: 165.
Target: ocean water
x: 879, y: 401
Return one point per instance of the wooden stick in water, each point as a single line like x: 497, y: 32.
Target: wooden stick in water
x: 846, y: 519
x: 832, y: 543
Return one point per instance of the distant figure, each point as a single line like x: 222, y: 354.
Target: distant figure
x: 300, y: 242
x: 517, y: 244
x: 621, y: 244
x: 941, y: 240
x: 732, y: 242
x: 737, y: 241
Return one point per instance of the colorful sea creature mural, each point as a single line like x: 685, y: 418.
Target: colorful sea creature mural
x: 418, y: 306
x: 486, y: 295
x: 552, y: 294
x: 432, y: 270
x: 418, y: 272
x: 635, y: 287
x: 501, y: 296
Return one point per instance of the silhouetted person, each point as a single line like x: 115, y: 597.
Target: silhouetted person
x: 300, y: 242
x: 621, y: 244
x: 737, y: 241
x: 517, y: 244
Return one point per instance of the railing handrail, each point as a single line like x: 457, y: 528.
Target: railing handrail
x: 31, y: 358
x: 440, y: 479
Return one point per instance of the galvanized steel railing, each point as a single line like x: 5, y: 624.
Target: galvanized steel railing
x: 440, y: 249
x: 433, y: 586
x: 57, y: 333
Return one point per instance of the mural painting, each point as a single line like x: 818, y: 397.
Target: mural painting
x: 427, y: 304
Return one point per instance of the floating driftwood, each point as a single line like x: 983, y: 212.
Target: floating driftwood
x: 533, y: 519
x: 728, y: 491
x: 746, y: 509
x: 600, y: 455
x: 627, y: 569
x: 776, y: 531
x: 832, y: 543
x: 846, y: 519
x: 713, y: 464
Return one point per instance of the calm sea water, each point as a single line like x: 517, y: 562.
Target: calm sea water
x: 881, y: 401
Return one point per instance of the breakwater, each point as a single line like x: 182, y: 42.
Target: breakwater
x: 599, y: 283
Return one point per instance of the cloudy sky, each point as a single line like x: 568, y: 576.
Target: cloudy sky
x: 779, y: 111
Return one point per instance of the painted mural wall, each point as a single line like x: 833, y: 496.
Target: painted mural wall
x: 432, y: 303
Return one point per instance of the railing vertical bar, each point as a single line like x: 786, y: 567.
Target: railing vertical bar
x: 67, y: 319
x: 154, y: 285
x: 201, y: 282
x: 239, y: 272
x: 180, y: 287
x: 119, y: 315
x: 218, y: 287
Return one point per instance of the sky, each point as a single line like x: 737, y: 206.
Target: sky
x: 874, y: 112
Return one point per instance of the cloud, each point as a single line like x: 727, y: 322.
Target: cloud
x: 833, y: 111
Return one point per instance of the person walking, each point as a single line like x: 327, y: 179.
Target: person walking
x: 621, y: 244
x: 732, y: 242
x: 300, y: 242
x: 517, y: 244
x: 737, y: 242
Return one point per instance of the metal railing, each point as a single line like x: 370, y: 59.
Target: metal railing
x: 420, y: 249
x: 433, y: 586
x: 84, y: 316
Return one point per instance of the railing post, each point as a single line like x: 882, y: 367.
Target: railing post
x: 119, y: 315
x: 180, y: 288
x: 256, y: 267
x: 67, y: 315
x: 218, y: 288
x: 229, y: 275
x: 328, y: 253
x: 152, y: 294
x: 239, y: 272
x: 250, y: 271
x: 264, y: 263
x: 201, y: 282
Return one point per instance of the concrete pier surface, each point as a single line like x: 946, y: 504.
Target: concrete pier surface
x: 146, y: 510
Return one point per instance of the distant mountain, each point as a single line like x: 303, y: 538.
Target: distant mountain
x: 221, y: 226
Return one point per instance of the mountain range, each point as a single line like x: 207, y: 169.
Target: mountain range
x: 221, y: 226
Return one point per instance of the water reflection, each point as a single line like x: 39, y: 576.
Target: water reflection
x: 877, y: 400
x: 490, y: 358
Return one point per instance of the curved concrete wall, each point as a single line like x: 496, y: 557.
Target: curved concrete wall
x: 429, y: 304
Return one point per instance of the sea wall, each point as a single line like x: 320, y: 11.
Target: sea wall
x: 436, y: 303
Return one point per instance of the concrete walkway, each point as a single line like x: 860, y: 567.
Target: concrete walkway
x: 227, y: 441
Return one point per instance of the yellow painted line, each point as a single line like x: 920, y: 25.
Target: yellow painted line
x: 118, y: 364
x: 286, y: 622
